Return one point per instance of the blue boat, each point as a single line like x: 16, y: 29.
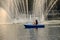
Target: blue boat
x: 34, y: 26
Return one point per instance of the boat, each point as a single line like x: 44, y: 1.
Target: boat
x: 34, y: 26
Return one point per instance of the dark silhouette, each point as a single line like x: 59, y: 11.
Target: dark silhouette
x: 36, y: 21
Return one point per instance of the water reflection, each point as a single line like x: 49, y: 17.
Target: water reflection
x: 33, y: 34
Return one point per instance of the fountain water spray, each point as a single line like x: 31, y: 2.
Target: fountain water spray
x: 16, y: 10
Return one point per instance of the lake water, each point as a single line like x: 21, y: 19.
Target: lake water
x: 18, y: 32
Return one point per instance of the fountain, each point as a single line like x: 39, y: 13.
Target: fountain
x: 17, y: 11
x: 10, y: 11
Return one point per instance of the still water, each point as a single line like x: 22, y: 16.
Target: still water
x: 18, y: 32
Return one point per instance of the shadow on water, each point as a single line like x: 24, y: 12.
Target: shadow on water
x: 33, y: 34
